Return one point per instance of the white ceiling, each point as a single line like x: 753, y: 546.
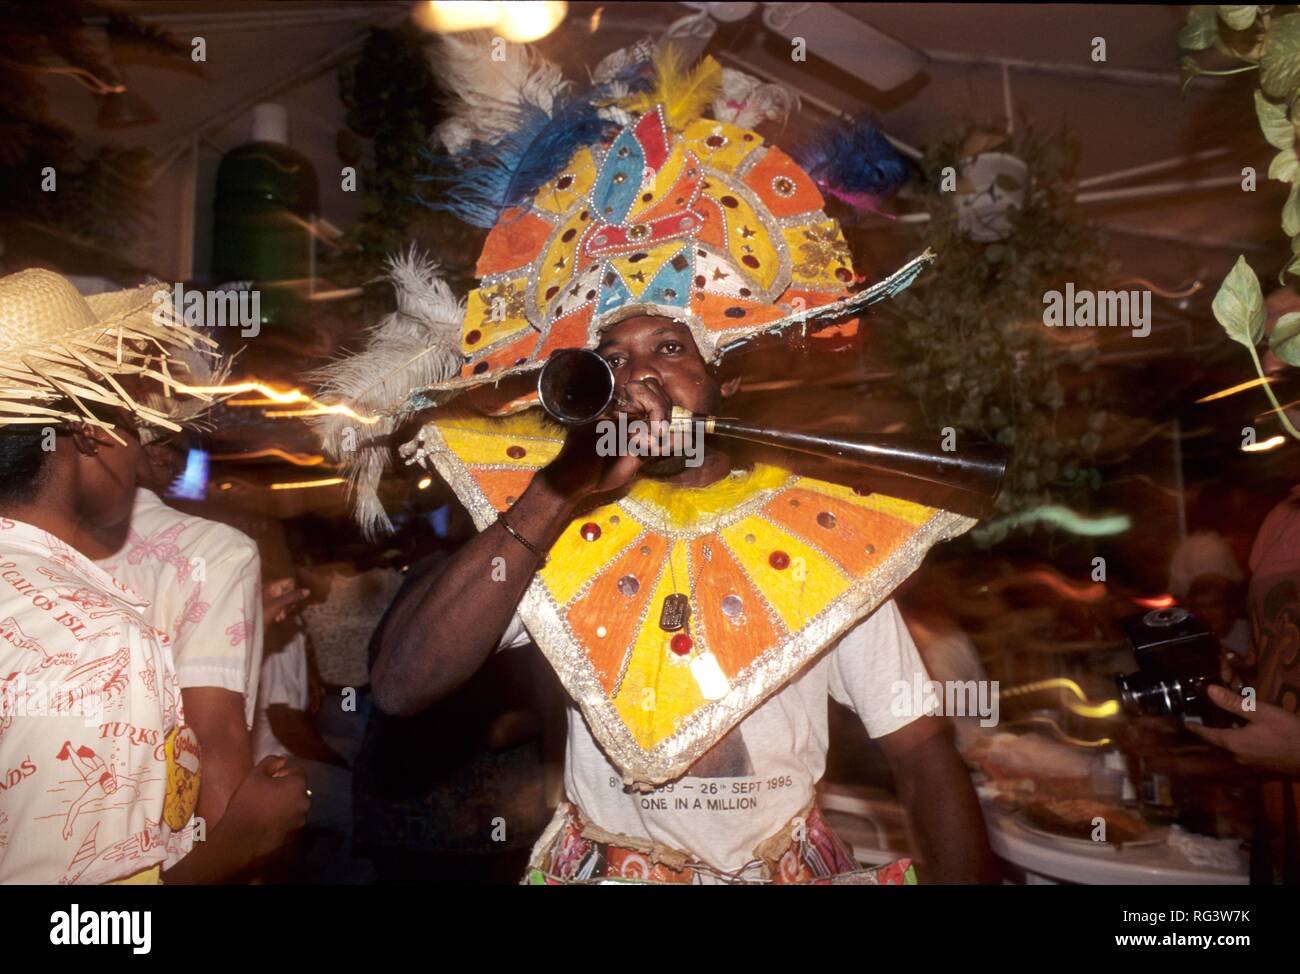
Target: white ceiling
x: 1125, y: 113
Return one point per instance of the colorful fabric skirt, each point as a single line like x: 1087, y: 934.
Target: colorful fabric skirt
x: 806, y: 852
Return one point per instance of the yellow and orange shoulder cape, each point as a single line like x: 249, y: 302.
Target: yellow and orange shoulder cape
x: 775, y: 567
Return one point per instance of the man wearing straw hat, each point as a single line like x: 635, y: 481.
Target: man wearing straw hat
x: 100, y: 772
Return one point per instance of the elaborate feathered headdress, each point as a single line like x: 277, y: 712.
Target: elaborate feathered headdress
x: 640, y: 192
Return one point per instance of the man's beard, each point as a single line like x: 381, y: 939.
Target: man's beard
x: 663, y: 467
x: 660, y: 467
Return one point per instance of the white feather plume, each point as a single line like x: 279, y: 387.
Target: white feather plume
x: 610, y: 67
x: 413, y: 347
x: 488, y: 91
x: 746, y: 101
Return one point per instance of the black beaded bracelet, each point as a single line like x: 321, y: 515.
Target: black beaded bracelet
x: 501, y: 519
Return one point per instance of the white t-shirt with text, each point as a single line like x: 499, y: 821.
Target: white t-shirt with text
x: 763, y: 773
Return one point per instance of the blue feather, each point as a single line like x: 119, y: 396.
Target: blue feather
x: 854, y: 162
x: 488, y: 178
x: 637, y: 76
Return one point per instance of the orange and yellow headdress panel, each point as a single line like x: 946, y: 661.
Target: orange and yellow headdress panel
x: 673, y: 213
x: 707, y: 225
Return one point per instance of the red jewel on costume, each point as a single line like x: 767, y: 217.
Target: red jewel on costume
x: 590, y: 531
x: 779, y: 560
x: 516, y: 452
x: 681, y: 644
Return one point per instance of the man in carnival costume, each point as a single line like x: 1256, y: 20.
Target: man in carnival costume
x: 697, y: 615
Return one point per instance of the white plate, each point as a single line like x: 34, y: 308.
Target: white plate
x: 1158, y: 836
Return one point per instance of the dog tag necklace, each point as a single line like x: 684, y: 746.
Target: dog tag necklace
x: 676, y: 608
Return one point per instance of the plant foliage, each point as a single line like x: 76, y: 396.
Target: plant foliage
x: 1264, y: 38
x: 974, y: 348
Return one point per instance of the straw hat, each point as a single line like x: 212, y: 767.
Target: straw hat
x: 60, y: 351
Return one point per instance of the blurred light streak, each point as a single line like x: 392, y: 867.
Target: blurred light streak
x: 297, y: 459
x: 1082, y: 707
x: 1159, y: 602
x: 1072, y: 521
x: 336, y: 294
x: 1263, y: 446
x: 1145, y: 479
x: 300, y: 484
x: 1103, y: 742
x: 1233, y: 390
x: 278, y: 397
x: 1278, y: 411
x: 1053, y: 580
x: 316, y: 410
x: 1184, y: 292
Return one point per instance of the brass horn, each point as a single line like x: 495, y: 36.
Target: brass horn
x: 576, y: 387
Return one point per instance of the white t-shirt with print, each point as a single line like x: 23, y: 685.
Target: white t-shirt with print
x: 87, y: 697
x: 763, y: 773
x: 203, y: 580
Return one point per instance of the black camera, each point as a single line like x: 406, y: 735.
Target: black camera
x: 1177, y: 657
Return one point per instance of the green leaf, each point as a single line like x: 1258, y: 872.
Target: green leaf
x: 1280, y: 61
x: 1239, y: 305
x: 1274, y: 123
x: 1285, y: 166
x: 1291, y: 212
x: 1285, y: 338
x: 1201, y: 30
x: 1238, y: 16
x: 1292, y: 268
x: 1188, y: 69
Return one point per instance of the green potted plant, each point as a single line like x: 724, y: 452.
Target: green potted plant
x: 970, y: 338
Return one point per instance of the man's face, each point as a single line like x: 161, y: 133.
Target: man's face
x: 162, y: 461
x: 663, y: 349
x: 648, y: 347
x: 106, y: 476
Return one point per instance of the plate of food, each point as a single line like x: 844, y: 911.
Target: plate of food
x: 1073, y: 821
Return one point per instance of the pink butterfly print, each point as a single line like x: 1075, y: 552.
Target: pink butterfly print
x: 184, y: 567
x: 193, y: 612
x: 240, y: 631
x: 161, y: 546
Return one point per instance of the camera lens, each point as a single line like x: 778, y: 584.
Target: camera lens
x: 1142, y: 695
